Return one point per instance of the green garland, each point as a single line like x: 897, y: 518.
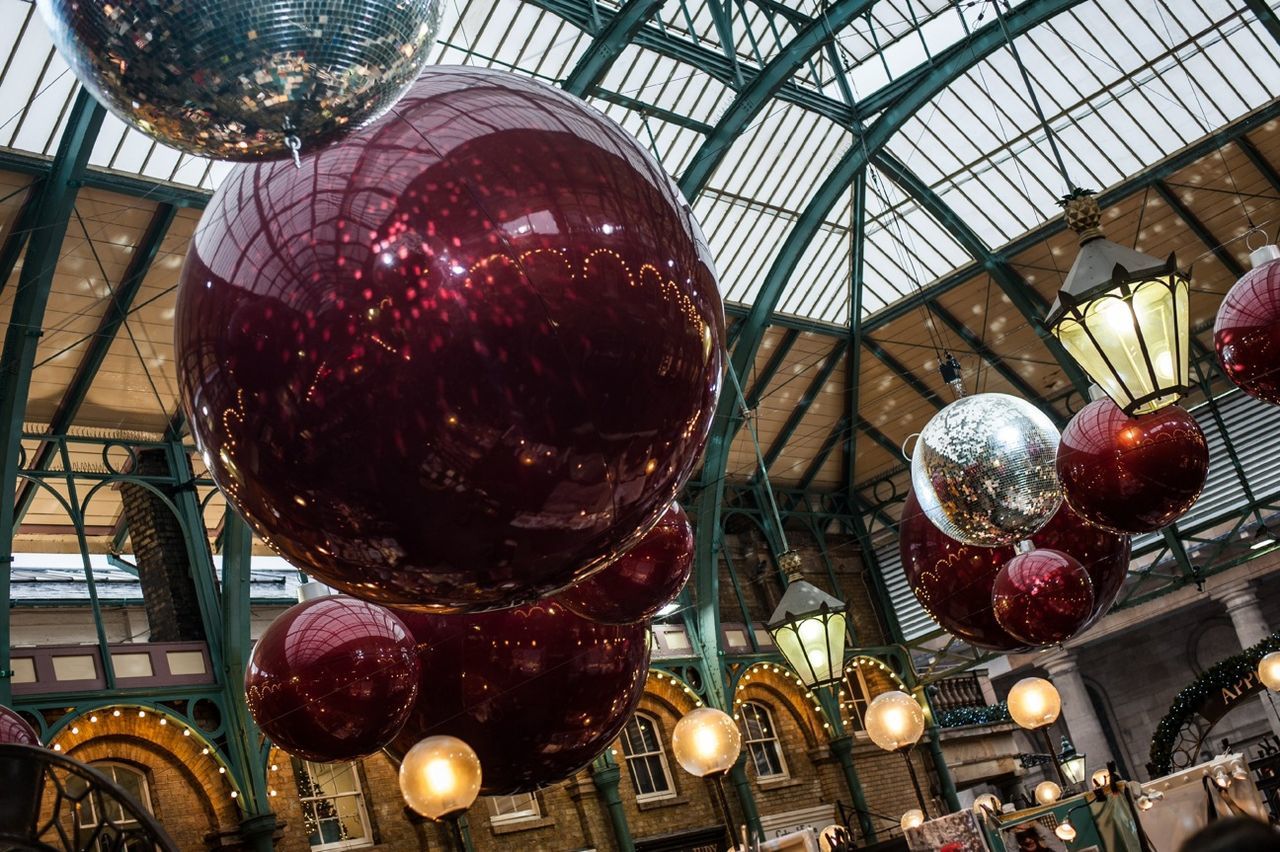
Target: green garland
x: 982, y: 714
x: 1188, y: 702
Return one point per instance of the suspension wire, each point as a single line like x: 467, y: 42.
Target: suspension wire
x: 748, y: 416
x: 1035, y: 100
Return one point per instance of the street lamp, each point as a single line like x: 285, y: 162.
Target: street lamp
x: 706, y: 743
x: 1123, y: 316
x: 1034, y: 704
x: 895, y: 722
x: 808, y: 627
x: 1269, y: 670
x: 1071, y: 762
x: 440, y: 779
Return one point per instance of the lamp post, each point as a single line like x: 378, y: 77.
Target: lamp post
x: 808, y: 627
x: 1034, y: 704
x: 440, y: 779
x: 706, y: 743
x: 1123, y: 316
x: 895, y: 722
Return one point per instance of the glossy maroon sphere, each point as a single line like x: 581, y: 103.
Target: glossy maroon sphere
x: 1247, y: 332
x: 641, y: 581
x: 459, y: 360
x: 537, y: 690
x: 1132, y: 474
x: 15, y: 730
x: 954, y: 581
x: 332, y: 679
x: 1042, y: 597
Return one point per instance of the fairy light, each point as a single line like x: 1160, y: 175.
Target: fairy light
x: 116, y: 714
x: 93, y: 719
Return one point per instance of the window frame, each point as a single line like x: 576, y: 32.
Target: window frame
x: 530, y: 814
x: 859, y: 698
x: 770, y: 737
x: 143, y: 799
x: 361, y: 806
x: 660, y: 754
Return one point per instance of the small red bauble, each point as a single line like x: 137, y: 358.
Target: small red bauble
x: 1042, y: 597
x: 1132, y: 474
x: 537, y: 690
x: 14, y: 730
x: 1247, y: 330
x: 953, y: 581
x: 460, y: 360
x: 641, y: 581
x: 332, y: 679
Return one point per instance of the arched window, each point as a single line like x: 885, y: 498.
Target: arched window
x: 134, y: 783
x: 522, y: 807
x: 762, y: 741
x: 858, y: 692
x: 646, y: 759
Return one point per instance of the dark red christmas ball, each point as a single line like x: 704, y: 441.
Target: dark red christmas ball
x: 1042, y: 597
x: 954, y: 581
x: 1132, y: 474
x: 537, y: 690
x: 459, y: 360
x: 15, y: 730
x: 1247, y: 331
x: 332, y: 679
x: 643, y: 580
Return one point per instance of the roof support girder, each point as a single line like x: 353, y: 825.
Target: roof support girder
x: 764, y: 87
x: 803, y: 405
x: 16, y: 240
x: 1193, y: 223
x: 113, y: 318
x: 608, y: 43
x: 26, y: 319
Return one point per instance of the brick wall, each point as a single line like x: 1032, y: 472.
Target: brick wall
x: 193, y: 799
x: 164, y: 569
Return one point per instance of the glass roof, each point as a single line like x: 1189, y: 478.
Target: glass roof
x: 1123, y: 85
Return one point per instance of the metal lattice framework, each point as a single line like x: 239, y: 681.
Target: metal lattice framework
x: 876, y: 188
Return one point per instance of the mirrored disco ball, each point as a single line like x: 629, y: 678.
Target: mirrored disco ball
x: 985, y: 469
x: 241, y: 79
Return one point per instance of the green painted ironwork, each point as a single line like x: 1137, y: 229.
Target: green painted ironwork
x: 608, y: 43
x: 100, y: 341
x: 764, y: 86
x: 818, y: 382
x: 16, y: 240
x: 26, y: 318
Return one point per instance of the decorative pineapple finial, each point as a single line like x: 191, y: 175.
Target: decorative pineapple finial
x: 1083, y: 214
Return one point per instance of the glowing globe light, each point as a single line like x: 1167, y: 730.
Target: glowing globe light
x: 913, y: 818
x: 1034, y: 703
x: 706, y: 742
x: 894, y: 721
x: 440, y: 777
x: 1048, y: 792
x: 1065, y: 831
x: 1269, y: 670
x: 987, y: 802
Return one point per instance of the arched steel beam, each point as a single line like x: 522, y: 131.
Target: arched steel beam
x: 1020, y: 293
x: 1262, y: 9
x: 764, y: 86
x: 982, y: 44
x: 608, y: 43
x: 52, y: 212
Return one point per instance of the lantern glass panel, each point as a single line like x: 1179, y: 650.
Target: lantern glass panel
x: 1132, y: 341
x: 814, y: 646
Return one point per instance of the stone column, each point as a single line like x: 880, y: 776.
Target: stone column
x: 1078, y: 714
x: 1240, y: 599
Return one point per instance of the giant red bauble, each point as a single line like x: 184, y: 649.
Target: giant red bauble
x: 332, y: 678
x: 461, y: 359
x: 15, y: 730
x: 1247, y: 330
x: 1042, y: 597
x: 1132, y: 474
x: 954, y: 581
x: 537, y: 690
x: 641, y: 581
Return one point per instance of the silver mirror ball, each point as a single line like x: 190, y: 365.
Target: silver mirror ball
x: 245, y: 79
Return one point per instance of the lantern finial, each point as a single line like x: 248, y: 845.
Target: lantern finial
x: 1083, y: 214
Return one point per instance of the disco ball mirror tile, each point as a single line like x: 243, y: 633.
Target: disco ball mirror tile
x: 236, y: 79
x: 985, y: 469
